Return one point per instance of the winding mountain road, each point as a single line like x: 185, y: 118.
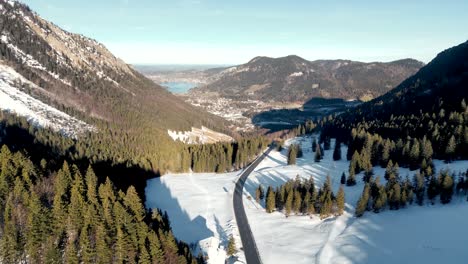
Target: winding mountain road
x: 248, y: 242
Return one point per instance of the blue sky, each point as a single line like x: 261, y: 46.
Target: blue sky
x: 234, y: 31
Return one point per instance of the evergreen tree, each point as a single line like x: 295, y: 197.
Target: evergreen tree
x: 297, y: 202
x: 318, y: 154
x: 427, y: 150
x: 289, y: 204
x: 292, y: 154
x: 414, y: 155
x: 337, y: 151
x: 326, y: 208
x: 446, y: 188
x: 361, y: 206
x: 381, y: 199
x: 343, y: 178
x: 340, y: 201
x: 232, y: 249
x: 270, y: 200
x: 351, y: 181
x: 389, y: 171
x: 450, y: 149
x: 433, y: 189
x: 419, y: 188
x: 314, y: 145
x: 394, y: 196
x: 326, y: 143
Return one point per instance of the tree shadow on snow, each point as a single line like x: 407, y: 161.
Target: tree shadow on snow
x: 185, y: 228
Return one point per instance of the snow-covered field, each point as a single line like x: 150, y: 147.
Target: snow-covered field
x: 427, y: 234
x: 200, y: 210
x: 14, y: 100
x: 200, y: 206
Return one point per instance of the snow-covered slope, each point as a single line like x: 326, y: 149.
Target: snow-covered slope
x: 411, y: 235
x: 14, y: 100
x: 200, y: 210
x: 200, y: 206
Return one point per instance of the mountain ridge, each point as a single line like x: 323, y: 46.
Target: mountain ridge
x: 292, y: 78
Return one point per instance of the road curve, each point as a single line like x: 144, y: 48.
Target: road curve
x: 248, y: 242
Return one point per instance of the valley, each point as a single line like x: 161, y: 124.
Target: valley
x: 205, y: 207
x: 186, y: 132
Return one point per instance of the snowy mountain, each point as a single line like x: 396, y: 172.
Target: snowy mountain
x: 14, y: 99
x: 81, y: 77
x: 293, y: 78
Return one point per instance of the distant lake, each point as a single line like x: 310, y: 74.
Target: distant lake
x: 179, y: 87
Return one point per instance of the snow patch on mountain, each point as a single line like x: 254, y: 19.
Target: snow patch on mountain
x: 12, y: 99
x: 29, y: 60
x: 296, y: 74
x: 199, y: 136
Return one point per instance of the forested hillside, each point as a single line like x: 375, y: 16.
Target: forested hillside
x: 71, y: 216
x: 424, y: 118
x: 294, y: 79
x: 80, y: 77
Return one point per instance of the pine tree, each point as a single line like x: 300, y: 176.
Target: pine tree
x: 414, y: 154
x: 432, y: 189
x: 326, y: 208
x: 37, y: 228
x: 419, y: 188
x: 381, y: 199
x: 361, y: 206
x: 297, y: 202
x: 262, y: 193
x: 351, y: 181
x: 318, y: 154
x: 292, y: 154
x: 9, y: 241
x: 340, y: 201
x: 389, y: 172
x: 306, y: 203
x: 232, y: 249
x: 257, y: 194
x: 355, y: 163
x: 289, y: 203
x: 343, y: 178
x: 270, y: 202
x: 394, y: 196
x: 446, y: 188
x: 385, y: 153
x: 450, y: 149
x: 337, y: 151
x: 427, y: 150
x: 326, y: 143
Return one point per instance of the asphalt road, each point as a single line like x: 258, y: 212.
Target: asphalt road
x: 248, y: 242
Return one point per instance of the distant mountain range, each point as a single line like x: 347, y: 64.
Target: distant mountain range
x: 294, y: 79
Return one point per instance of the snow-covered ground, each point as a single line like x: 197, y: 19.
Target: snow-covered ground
x: 200, y: 207
x: 199, y: 136
x: 427, y: 234
x: 14, y: 100
x: 200, y: 210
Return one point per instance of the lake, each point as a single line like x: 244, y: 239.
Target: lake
x: 178, y: 87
